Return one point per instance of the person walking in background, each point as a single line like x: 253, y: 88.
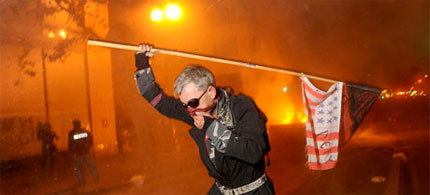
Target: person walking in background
x: 80, y: 142
x: 46, y: 135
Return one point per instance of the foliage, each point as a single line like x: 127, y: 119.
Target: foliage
x: 53, y: 49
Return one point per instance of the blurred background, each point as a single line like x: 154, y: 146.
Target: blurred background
x: 50, y: 74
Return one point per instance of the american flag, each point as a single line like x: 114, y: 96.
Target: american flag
x: 323, y: 109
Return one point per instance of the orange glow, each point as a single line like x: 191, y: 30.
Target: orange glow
x: 285, y: 89
x: 286, y: 114
x: 288, y: 118
x: 419, y: 81
x: 425, y: 76
x: 304, y: 119
x: 51, y: 35
x: 100, y: 146
x: 173, y: 12
x: 62, y: 34
x: 156, y: 15
x: 290, y: 115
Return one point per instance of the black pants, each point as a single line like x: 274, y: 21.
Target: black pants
x: 78, y: 160
x: 48, y: 152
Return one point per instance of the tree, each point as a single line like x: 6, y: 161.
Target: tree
x: 36, y: 25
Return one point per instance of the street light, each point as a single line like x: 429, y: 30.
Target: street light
x: 156, y: 15
x: 51, y: 35
x: 171, y: 12
x: 62, y: 34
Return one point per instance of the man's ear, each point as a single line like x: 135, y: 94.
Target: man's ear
x: 212, y: 91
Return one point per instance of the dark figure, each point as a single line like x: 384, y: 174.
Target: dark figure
x: 229, y: 130
x: 46, y: 135
x: 80, y: 142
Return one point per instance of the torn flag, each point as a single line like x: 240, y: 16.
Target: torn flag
x: 357, y: 100
x: 323, y: 109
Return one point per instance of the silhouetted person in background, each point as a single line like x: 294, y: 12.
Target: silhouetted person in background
x: 46, y: 135
x: 80, y: 142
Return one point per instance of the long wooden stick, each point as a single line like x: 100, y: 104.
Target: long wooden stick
x: 201, y: 57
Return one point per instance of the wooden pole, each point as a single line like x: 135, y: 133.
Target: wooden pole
x: 212, y: 59
x: 45, y: 87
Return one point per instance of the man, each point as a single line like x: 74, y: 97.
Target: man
x: 229, y: 130
x: 46, y: 135
x: 80, y: 142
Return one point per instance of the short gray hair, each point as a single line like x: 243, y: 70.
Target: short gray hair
x: 196, y: 74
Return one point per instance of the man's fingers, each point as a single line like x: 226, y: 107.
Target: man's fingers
x: 145, y: 48
x: 150, y: 54
x: 199, y: 121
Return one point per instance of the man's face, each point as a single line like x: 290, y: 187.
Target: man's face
x: 190, y: 91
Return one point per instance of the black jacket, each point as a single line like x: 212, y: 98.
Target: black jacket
x: 243, y: 160
x: 80, y: 141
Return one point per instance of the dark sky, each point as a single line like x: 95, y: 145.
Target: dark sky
x: 380, y: 43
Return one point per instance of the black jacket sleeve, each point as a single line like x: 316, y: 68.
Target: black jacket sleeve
x: 247, y: 141
x: 150, y: 90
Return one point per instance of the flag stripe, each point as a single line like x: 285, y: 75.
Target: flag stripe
x: 323, y: 158
x: 313, y: 98
x: 322, y: 129
x: 325, y: 144
x: 330, y: 136
x: 314, y: 91
x: 312, y: 103
x: 317, y: 166
x: 312, y: 150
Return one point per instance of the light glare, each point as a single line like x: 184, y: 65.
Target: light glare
x: 304, y: 119
x: 51, y: 35
x: 173, y: 11
x: 285, y: 89
x: 62, y: 34
x: 156, y: 15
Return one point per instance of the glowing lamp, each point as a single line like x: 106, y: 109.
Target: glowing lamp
x: 173, y: 12
x: 62, y: 34
x: 51, y: 35
x: 156, y: 15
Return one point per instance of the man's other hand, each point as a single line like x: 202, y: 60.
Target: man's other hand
x: 142, y: 56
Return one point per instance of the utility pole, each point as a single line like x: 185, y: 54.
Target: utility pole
x: 45, y: 90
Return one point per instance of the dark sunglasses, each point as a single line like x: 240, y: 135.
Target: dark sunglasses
x: 194, y: 103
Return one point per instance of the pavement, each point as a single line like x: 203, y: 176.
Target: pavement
x: 359, y: 163
x: 366, y: 166
x: 121, y: 173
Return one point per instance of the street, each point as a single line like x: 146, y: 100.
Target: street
x: 365, y: 166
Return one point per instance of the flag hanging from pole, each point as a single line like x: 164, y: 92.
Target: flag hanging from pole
x: 323, y: 109
x: 333, y: 115
x: 333, y: 118
x: 357, y: 100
